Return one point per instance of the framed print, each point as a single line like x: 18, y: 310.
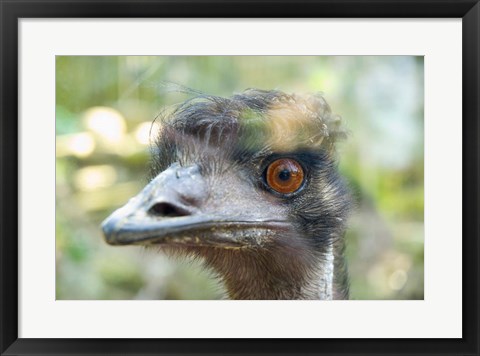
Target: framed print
x: 315, y: 162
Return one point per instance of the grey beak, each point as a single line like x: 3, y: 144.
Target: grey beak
x: 168, y: 204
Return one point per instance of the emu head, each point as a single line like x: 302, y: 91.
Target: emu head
x: 250, y: 184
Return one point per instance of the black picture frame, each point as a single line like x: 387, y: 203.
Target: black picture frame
x: 12, y: 11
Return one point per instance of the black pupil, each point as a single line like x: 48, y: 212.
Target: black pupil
x: 284, y: 175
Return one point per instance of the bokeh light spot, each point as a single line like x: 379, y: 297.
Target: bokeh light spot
x: 397, y: 279
x: 108, y: 123
x: 81, y: 144
x: 95, y: 177
x: 142, y: 132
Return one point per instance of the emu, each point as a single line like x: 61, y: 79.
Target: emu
x: 250, y: 185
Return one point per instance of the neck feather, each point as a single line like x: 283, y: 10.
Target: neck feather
x: 279, y: 273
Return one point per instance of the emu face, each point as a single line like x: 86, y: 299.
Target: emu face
x: 250, y: 184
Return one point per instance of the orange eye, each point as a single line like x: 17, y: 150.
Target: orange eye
x: 285, y: 175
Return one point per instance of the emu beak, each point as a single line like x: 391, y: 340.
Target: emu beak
x: 170, y: 210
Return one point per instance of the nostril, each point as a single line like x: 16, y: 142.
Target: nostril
x: 167, y: 210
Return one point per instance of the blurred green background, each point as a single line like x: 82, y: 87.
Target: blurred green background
x: 104, y: 109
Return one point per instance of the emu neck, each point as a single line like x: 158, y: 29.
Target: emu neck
x: 275, y: 274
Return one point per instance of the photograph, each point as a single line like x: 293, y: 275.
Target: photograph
x: 239, y: 177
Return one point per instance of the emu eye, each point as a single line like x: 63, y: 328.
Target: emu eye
x: 284, y: 175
